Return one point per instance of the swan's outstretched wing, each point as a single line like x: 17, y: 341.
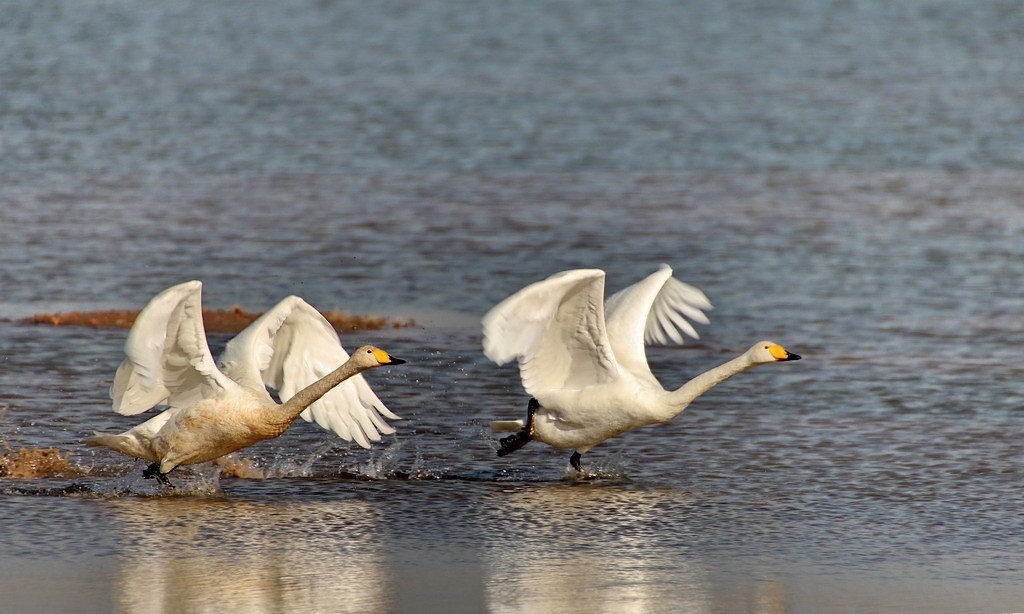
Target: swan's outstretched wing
x: 292, y: 346
x: 167, y: 360
x: 556, y: 329
x: 656, y: 309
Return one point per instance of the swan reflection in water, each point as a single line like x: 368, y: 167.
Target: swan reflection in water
x: 560, y: 547
x: 583, y: 549
x: 199, y: 555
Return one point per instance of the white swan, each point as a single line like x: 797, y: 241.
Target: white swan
x: 583, y: 361
x: 214, y: 411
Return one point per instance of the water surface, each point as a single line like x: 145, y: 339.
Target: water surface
x: 843, y: 179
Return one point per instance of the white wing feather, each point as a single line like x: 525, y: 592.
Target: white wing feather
x: 674, y: 307
x: 556, y: 329
x: 656, y: 309
x: 167, y: 360
x: 292, y: 346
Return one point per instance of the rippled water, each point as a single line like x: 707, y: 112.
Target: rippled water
x: 844, y: 179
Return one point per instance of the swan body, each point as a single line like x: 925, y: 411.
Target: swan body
x: 212, y: 411
x: 583, y: 361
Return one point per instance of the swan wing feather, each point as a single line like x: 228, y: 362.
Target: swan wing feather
x: 676, y: 305
x: 556, y: 330
x: 656, y: 309
x: 291, y: 346
x: 167, y: 359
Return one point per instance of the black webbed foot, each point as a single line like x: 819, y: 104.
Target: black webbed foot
x: 153, y: 471
x: 574, y: 460
x: 510, y: 444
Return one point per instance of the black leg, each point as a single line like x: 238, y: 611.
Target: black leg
x: 510, y: 444
x: 153, y: 471
x: 574, y: 460
x: 531, y: 409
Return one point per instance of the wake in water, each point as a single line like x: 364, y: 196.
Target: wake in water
x: 33, y: 471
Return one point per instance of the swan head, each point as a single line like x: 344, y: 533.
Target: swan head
x: 764, y: 352
x: 368, y: 357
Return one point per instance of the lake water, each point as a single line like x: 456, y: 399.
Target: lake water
x: 844, y: 178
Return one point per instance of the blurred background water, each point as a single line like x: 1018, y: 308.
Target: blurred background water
x: 842, y: 177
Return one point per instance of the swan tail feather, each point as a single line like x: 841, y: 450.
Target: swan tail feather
x: 507, y: 426
x: 123, y: 443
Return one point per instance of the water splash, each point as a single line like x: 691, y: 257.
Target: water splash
x: 29, y: 463
x: 608, y: 468
x: 383, y: 464
x: 288, y: 467
x: 236, y: 466
x: 192, y: 481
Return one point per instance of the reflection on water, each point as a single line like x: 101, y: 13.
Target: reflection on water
x: 196, y: 555
x: 573, y: 548
x: 582, y: 549
x: 608, y: 549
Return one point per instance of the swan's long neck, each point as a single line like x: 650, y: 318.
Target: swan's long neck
x: 290, y: 409
x: 685, y: 394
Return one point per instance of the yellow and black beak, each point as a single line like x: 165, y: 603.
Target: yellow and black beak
x: 781, y: 354
x: 384, y: 358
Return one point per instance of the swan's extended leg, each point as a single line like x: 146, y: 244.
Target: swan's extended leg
x: 574, y: 460
x: 512, y: 443
x: 153, y: 471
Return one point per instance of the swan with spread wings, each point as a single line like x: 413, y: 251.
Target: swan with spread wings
x: 583, y: 361
x: 211, y: 410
